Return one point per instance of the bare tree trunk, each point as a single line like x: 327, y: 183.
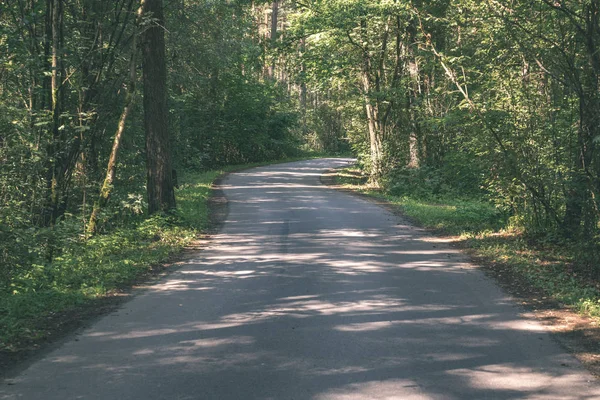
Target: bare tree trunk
x: 584, y: 187
x: 161, y: 193
x: 303, y: 86
x: 375, y: 139
x: 54, y: 19
x: 274, y: 22
x: 413, y: 150
x: 414, y: 91
x: 62, y: 148
x: 371, y: 109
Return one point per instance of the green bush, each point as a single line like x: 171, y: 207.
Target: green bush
x: 458, y: 176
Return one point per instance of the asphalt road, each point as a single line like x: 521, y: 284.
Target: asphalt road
x: 310, y: 293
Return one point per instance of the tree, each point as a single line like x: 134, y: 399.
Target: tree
x: 496, y: 97
x: 160, y: 188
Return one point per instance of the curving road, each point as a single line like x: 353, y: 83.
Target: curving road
x: 309, y: 293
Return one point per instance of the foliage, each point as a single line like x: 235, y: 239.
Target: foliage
x: 86, y: 269
x: 253, y: 121
x: 446, y: 212
x: 461, y: 98
x: 458, y: 177
x: 224, y: 111
x: 473, y: 113
x: 553, y: 269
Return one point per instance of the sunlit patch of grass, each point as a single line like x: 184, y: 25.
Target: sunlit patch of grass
x: 192, y: 198
x: 452, y: 216
x: 351, y: 176
x: 548, y: 268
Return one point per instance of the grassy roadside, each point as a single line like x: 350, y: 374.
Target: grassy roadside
x: 90, y: 272
x: 548, y: 269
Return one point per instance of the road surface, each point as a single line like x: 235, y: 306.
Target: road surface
x: 310, y: 293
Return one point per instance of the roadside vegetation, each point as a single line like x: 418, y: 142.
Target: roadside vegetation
x: 90, y: 269
x: 112, y: 129
x: 551, y: 266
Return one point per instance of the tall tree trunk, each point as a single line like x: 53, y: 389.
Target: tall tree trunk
x: 303, y: 86
x: 274, y: 23
x: 413, y: 92
x: 375, y: 139
x: 54, y: 20
x: 584, y: 186
x: 371, y: 108
x: 62, y: 148
x: 161, y: 194
x: 576, y: 187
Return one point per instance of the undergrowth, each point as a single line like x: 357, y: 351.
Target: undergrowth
x: 89, y: 268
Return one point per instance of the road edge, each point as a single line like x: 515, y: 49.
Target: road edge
x: 576, y: 334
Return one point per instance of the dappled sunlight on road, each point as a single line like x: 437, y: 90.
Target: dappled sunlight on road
x: 304, y: 284
x: 313, y: 294
x: 378, y: 390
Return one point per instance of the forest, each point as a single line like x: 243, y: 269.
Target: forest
x: 112, y: 111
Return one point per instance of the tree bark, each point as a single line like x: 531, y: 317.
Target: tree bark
x: 581, y: 208
x: 375, y: 139
x: 303, y: 86
x: 413, y: 92
x: 161, y: 194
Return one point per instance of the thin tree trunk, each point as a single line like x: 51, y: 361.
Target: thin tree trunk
x: 111, y: 168
x: 373, y: 125
x: 581, y: 203
x: 303, y: 86
x: 54, y: 9
x: 414, y: 160
x: 161, y: 194
x: 371, y: 109
x: 274, y: 22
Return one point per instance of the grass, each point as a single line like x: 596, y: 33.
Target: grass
x: 480, y: 227
x: 90, y: 270
x: 447, y: 215
x: 549, y: 268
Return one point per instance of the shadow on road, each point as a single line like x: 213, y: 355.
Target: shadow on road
x: 307, y: 293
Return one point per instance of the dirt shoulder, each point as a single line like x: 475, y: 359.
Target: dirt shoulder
x: 578, y: 334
